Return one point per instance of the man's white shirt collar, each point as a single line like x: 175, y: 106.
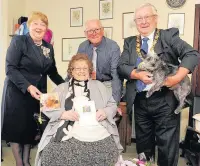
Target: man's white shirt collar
x: 151, y: 36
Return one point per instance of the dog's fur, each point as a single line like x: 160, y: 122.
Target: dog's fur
x: 161, y: 70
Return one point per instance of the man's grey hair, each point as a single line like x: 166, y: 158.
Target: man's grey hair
x: 92, y: 20
x: 147, y: 5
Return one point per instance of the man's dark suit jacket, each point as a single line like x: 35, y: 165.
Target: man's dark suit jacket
x: 169, y: 47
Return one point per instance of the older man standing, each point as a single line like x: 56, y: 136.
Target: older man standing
x: 105, y: 54
x: 154, y: 116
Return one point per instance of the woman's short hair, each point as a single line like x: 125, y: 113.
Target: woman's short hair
x: 79, y: 57
x: 37, y: 15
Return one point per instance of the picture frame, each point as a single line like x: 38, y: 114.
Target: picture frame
x: 105, y: 9
x: 128, y: 25
x: 70, y: 47
x: 108, y: 31
x: 76, y: 17
x: 177, y: 20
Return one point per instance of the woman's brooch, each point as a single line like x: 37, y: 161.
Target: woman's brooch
x: 45, y: 51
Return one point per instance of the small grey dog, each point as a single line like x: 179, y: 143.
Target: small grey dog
x: 161, y: 70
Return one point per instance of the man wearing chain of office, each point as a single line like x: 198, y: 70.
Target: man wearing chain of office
x: 155, y: 119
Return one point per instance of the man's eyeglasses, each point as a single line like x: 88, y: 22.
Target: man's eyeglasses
x: 90, y: 32
x: 146, y: 18
x: 79, y: 69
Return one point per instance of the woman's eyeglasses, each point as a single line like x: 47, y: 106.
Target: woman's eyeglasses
x: 80, y: 69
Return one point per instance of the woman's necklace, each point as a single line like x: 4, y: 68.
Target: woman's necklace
x: 138, y: 43
x: 38, y: 43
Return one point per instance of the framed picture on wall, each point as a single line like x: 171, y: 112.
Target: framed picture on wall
x: 76, y: 17
x: 177, y: 20
x: 105, y: 9
x: 128, y: 25
x: 70, y: 47
x: 108, y: 32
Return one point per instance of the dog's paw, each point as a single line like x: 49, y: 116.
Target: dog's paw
x: 148, y: 95
x: 177, y: 111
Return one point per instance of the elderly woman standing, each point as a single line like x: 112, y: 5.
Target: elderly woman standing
x: 65, y: 142
x: 29, y: 60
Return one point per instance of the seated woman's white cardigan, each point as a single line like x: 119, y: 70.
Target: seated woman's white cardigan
x: 103, y: 100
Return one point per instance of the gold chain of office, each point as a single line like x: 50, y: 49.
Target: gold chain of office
x: 138, y: 43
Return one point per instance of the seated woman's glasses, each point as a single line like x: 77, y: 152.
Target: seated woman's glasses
x: 79, y: 69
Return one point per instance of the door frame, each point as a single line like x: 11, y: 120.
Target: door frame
x: 196, y: 44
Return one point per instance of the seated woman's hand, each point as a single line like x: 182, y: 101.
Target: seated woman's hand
x: 70, y: 115
x: 101, y: 115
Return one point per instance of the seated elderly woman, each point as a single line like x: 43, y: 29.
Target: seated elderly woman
x: 65, y: 141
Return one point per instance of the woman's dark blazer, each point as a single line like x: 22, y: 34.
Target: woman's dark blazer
x: 25, y: 66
